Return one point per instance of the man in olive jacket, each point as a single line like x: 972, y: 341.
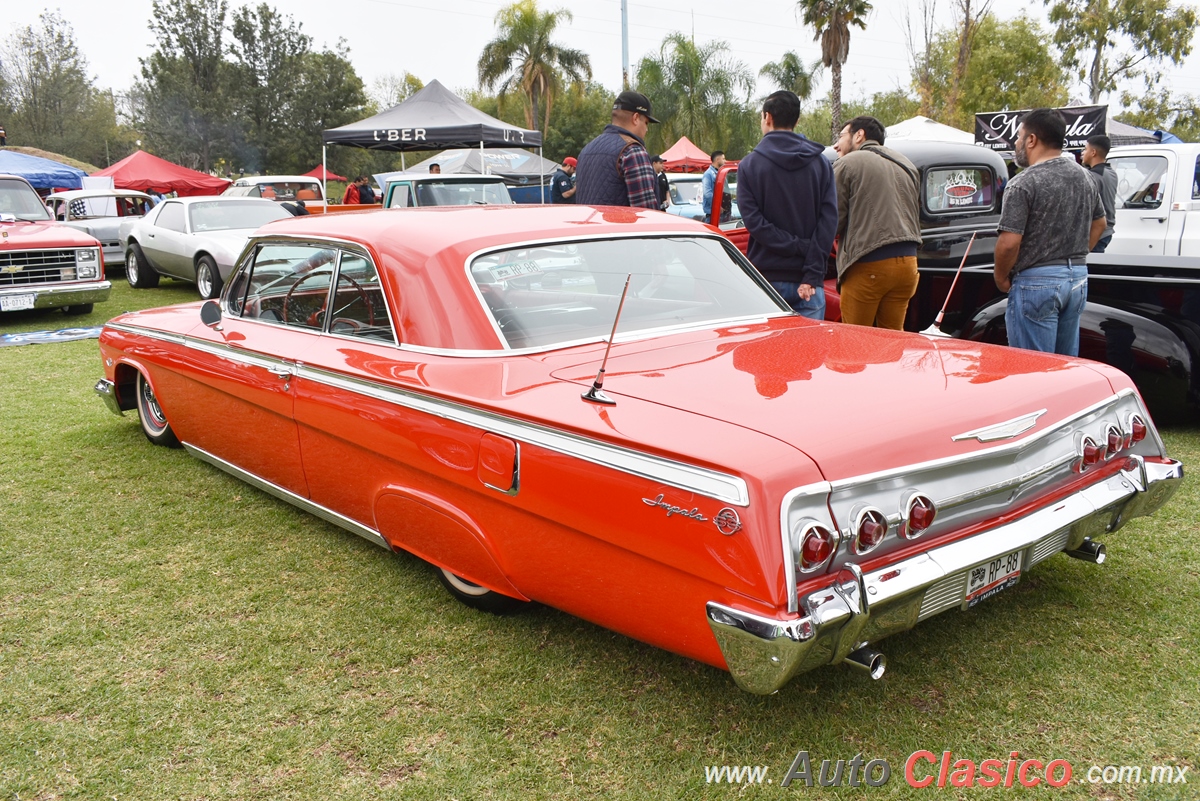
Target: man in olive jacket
x: 879, y: 227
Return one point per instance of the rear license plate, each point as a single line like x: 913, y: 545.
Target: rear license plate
x: 992, y: 577
x: 16, y: 302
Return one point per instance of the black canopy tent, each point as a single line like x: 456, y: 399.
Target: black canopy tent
x: 432, y: 119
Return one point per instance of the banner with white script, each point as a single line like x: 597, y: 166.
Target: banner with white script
x: 997, y: 130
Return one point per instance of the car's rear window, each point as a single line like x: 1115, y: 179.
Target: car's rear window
x: 221, y: 215
x: 548, y: 295
x: 959, y: 189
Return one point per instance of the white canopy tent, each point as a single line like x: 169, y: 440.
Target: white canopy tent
x: 926, y: 130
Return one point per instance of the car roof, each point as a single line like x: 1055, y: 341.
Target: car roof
x: 442, y: 176
x: 932, y: 154
x: 276, y: 179
x: 74, y: 194
x: 187, y: 201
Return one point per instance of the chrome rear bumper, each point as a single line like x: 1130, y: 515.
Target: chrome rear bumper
x: 764, y: 653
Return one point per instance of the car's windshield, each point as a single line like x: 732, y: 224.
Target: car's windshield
x: 222, y: 215
x: 684, y: 192
x: 461, y: 193
x: 277, y: 190
x: 19, y: 200
x: 549, y: 295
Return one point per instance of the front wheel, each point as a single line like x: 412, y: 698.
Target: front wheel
x: 138, y: 271
x: 478, y: 597
x: 208, y: 278
x: 154, y: 422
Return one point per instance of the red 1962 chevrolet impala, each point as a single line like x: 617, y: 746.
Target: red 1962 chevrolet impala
x: 749, y: 488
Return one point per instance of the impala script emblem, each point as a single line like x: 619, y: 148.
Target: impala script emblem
x: 694, y: 514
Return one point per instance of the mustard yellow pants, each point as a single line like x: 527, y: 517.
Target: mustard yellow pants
x: 877, y: 292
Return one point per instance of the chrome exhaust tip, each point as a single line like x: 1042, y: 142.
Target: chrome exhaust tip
x: 870, y: 660
x: 1089, y: 551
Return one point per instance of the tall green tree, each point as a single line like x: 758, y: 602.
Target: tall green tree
x: 701, y: 92
x: 1111, y: 40
x: 392, y: 89
x: 329, y: 94
x: 1159, y: 109
x: 1011, y: 65
x: 790, y: 73
x: 524, y: 58
x: 269, y: 51
x: 184, y: 105
x: 832, y: 20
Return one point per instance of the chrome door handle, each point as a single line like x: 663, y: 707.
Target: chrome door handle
x: 281, y: 372
x: 1153, y: 217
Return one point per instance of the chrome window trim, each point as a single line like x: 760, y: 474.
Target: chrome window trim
x: 746, y: 266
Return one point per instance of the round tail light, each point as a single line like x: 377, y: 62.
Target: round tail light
x: 1137, y: 429
x: 919, y: 516
x: 869, y: 531
x: 1115, y: 441
x: 1093, y: 454
x: 816, y: 547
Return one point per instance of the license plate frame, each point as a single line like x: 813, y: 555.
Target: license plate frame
x: 993, y: 576
x: 18, y: 302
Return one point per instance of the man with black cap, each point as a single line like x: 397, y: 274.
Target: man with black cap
x: 614, y: 168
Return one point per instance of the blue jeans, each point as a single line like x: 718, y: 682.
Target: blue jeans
x: 1044, y: 306
x: 813, y: 308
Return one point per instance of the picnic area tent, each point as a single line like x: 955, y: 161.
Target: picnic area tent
x: 684, y: 156
x: 513, y: 165
x: 148, y: 173
x: 41, y: 173
x: 926, y: 130
x: 321, y: 173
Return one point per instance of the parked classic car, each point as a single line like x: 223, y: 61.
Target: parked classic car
x: 193, y: 239
x: 280, y: 188
x: 686, y: 200
x: 100, y: 212
x: 45, y: 265
x: 404, y: 189
x: 609, y: 411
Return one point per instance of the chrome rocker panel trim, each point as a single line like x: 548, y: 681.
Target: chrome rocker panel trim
x: 764, y: 653
x: 52, y: 296
x: 326, y: 514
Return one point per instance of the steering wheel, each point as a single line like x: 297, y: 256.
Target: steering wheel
x: 314, y: 319
x: 362, y: 294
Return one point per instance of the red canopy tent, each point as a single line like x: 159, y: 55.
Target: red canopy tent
x: 315, y: 172
x: 683, y: 156
x: 148, y: 173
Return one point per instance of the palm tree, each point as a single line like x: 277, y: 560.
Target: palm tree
x: 790, y: 73
x: 523, y: 58
x: 831, y: 19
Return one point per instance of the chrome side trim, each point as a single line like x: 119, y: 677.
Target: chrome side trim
x: 711, y: 483
x: 149, y: 333
x: 313, y: 508
x: 785, y: 530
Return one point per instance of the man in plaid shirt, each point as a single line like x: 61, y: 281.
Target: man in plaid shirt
x: 614, y: 168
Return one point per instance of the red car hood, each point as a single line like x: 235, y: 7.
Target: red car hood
x: 854, y: 399
x: 26, y: 235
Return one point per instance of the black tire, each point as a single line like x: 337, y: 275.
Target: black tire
x: 478, y: 597
x: 138, y: 271
x: 78, y: 309
x: 154, y: 422
x: 208, y: 278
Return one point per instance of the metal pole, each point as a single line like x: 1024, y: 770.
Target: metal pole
x: 541, y: 178
x: 324, y: 176
x: 624, y: 44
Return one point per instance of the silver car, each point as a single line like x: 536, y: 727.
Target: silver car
x: 100, y: 212
x: 194, y: 239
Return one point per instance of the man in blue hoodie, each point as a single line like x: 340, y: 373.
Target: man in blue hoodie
x: 788, y: 201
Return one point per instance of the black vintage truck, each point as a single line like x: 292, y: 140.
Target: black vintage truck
x: 1143, y: 310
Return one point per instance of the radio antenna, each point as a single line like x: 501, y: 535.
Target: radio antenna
x: 935, y: 330
x: 596, y: 393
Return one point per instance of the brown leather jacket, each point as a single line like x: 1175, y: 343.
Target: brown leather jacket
x: 877, y: 202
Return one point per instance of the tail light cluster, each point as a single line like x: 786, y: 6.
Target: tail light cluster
x: 816, y: 546
x: 1092, y: 453
x: 817, y: 543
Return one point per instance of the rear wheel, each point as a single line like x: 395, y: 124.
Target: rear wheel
x: 138, y: 271
x: 154, y: 422
x: 478, y: 597
x: 208, y: 278
x: 79, y: 308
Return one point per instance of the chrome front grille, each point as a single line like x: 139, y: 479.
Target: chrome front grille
x: 21, y: 267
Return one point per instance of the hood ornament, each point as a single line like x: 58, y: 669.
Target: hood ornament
x: 1006, y: 430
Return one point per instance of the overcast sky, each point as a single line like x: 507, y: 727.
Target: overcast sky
x: 442, y: 38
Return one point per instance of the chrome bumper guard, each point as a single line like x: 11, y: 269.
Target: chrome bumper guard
x: 108, y: 393
x: 51, y: 296
x: 764, y: 653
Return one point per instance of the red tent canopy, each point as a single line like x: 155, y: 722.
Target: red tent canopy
x: 683, y: 156
x: 315, y: 172
x: 148, y: 173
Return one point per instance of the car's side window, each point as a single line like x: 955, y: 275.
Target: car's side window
x: 1139, y: 181
x: 286, y: 284
x: 400, y: 199
x: 358, y: 307
x: 171, y: 217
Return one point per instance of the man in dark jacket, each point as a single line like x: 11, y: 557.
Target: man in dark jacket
x: 1095, y: 158
x: 562, y: 185
x: 789, y: 204
x: 614, y: 168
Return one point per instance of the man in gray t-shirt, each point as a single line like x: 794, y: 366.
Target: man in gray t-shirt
x: 1052, y: 217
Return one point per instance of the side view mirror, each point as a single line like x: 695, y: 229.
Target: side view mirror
x: 210, y: 314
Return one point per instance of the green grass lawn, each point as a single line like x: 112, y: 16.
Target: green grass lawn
x: 167, y: 632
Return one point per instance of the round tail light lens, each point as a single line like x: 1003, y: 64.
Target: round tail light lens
x: 869, y: 532
x: 1137, y: 429
x: 1115, y: 441
x: 816, y: 546
x: 921, y: 512
x: 1093, y: 454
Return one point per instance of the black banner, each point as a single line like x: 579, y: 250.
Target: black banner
x: 997, y: 130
